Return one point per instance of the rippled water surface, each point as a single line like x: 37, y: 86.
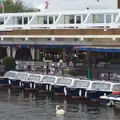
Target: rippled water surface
x: 30, y: 107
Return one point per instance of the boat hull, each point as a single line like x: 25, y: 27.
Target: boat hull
x: 77, y: 93
x: 59, y: 90
x: 95, y: 95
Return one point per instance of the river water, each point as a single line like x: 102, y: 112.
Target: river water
x: 31, y: 107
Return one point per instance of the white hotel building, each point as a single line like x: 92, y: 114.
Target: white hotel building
x: 66, y: 23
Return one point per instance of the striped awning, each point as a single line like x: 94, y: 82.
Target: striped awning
x: 99, y: 49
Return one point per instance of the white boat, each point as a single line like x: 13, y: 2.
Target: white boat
x: 78, y: 90
x: 60, y: 87
x: 100, y: 88
x: 46, y: 82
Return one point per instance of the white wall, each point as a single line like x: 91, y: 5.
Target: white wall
x: 81, y: 4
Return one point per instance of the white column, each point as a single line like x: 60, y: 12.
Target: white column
x: 14, y: 50
x: 38, y: 54
x: 8, y: 51
x: 64, y: 54
x: 32, y: 52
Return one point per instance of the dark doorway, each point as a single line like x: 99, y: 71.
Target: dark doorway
x: 23, y: 54
x: 3, y: 52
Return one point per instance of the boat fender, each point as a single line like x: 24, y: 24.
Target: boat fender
x: 50, y: 87
x: 80, y: 92
x: 86, y: 94
x: 47, y: 87
x: 9, y: 81
x: 65, y: 91
x: 30, y: 85
x: 34, y: 85
x: 20, y: 84
x: 104, y: 94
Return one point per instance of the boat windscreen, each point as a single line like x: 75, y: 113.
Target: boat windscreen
x: 10, y: 74
x: 116, y: 87
x: 21, y: 76
x: 81, y: 84
x: 64, y: 81
x: 34, y: 77
x: 48, y: 79
x: 100, y: 86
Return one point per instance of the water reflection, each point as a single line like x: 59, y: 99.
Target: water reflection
x: 27, y: 106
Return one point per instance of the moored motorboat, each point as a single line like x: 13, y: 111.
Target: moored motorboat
x: 31, y: 83
x: 26, y: 84
x: 60, y: 87
x: 112, y: 99
x: 46, y: 82
x: 5, y: 83
x: 15, y: 82
x: 100, y: 88
x: 78, y: 90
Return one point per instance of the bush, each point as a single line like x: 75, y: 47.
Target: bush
x: 9, y: 63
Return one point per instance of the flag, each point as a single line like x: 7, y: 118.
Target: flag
x: 46, y: 4
x: 1, y: 3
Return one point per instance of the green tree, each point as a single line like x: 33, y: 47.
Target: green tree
x: 9, y: 63
x: 12, y: 7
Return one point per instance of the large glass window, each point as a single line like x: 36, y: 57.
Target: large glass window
x: 78, y: 19
x: 108, y: 18
x: 98, y: 18
x: 41, y: 19
x: 50, y: 19
x: 1, y: 21
x: 69, y: 19
x: 25, y: 20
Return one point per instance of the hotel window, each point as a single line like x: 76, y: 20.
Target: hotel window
x: 50, y: 19
x: 98, y: 18
x: 114, y: 17
x: 40, y: 20
x: 19, y: 20
x: 78, y: 19
x: 1, y: 21
x: 69, y: 19
x: 25, y: 20
x: 45, y: 20
x: 108, y: 18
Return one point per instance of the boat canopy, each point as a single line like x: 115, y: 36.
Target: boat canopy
x: 81, y: 83
x: 22, y: 75
x: 48, y: 79
x: 64, y: 81
x: 34, y: 77
x: 100, y: 86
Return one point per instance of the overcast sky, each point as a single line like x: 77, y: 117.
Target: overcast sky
x: 75, y: 4
x: 33, y: 2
